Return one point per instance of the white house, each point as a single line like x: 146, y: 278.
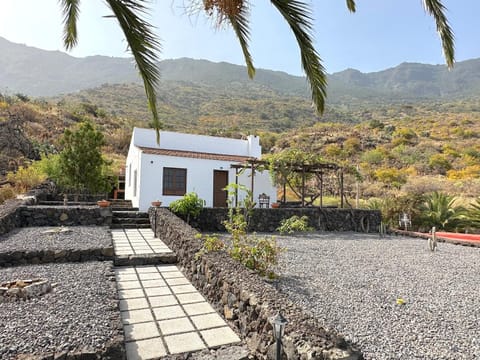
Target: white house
x: 183, y: 163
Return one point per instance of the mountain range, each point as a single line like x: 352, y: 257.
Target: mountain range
x: 42, y: 73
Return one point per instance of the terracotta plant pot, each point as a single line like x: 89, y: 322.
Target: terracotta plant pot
x: 156, y: 203
x: 275, y: 205
x: 103, y: 203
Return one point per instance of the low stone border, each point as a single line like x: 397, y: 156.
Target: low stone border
x: 145, y: 259
x: 248, y: 301
x: 268, y: 220
x: 439, y: 238
x: 8, y: 215
x: 20, y: 257
x: 63, y: 216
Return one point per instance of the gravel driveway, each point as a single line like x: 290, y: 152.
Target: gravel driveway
x: 351, y: 282
x: 56, y: 238
x: 80, y: 314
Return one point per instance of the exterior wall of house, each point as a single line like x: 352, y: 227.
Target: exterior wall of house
x: 149, y: 167
x: 132, y: 167
x: 199, y: 179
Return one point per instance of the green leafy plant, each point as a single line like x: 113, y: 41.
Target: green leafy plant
x: 473, y: 214
x: 190, y: 206
x: 211, y: 243
x: 294, y: 224
x: 441, y: 210
x: 256, y: 253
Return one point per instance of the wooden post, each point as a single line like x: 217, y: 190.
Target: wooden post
x: 341, y: 189
x: 321, y: 189
x: 253, y: 178
x: 303, y: 186
x: 236, y: 187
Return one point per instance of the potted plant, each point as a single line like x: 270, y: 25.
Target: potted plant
x: 103, y: 203
x: 156, y: 203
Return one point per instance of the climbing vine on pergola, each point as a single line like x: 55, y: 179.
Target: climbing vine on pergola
x: 297, y: 169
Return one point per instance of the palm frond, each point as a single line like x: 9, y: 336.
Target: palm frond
x: 437, y: 10
x: 351, y: 5
x: 239, y: 23
x: 144, y: 47
x: 299, y: 18
x: 70, y: 9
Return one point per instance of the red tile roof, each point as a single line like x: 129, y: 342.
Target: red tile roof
x: 194, y: 154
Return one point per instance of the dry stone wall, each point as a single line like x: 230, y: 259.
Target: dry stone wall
x: 268, y: 220
x: 40, y: 215
x: 247, y: 300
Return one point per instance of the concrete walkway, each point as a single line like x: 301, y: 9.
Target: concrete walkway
x: 162, y: 312
x: 137, y: 241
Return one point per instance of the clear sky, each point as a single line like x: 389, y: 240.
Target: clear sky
x: 381, y: 34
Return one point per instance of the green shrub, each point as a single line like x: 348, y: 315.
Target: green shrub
x: 26, y: 178
x: 190, y: 205
x: 441, y: 210
x: 6, y: 193
x: 294, y: 224
x: 256, y: 253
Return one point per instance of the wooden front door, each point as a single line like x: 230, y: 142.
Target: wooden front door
x: 220, y: 181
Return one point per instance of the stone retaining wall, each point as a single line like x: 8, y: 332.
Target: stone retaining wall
x: 8, y: 215
x: 20, y: 257
x: 247, y: 300
x: 268, y: 220
x: 63, y: 216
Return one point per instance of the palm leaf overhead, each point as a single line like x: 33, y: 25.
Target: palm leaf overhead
x: 70, y: 9
x: 298, y: 16
x: 239, y: 23
x: 351, y: 5
x: 144, y: 47
x: 437, y: 10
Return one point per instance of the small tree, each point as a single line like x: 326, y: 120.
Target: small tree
x: 81, y: 164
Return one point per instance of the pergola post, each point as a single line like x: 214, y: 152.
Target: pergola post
x: 303, y: 186
x: 341, y: 189
x: 253, y: 177
x: 321, y: 189
x: 236, y: 187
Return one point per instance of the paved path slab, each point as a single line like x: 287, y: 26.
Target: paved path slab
x: 164, y: 314
x: 137, y: 242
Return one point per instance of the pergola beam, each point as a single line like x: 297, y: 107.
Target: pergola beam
x: 298, y: 167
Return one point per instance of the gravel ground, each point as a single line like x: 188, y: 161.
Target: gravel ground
x: 36, y: 238
x: 351, y: 282
x: 79, y: 314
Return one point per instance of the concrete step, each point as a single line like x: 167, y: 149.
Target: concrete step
x: 130, y: 226
x: 124, y: 208
x: 130, y: 221
x: 129, y: 214
x: 145, y: 259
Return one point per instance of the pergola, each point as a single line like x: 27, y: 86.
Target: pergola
x: 303, y: 168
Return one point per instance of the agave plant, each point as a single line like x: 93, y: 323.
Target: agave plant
x: 441, y: 210
x: 144, y: 44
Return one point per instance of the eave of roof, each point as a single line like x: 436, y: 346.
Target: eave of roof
x: 194, y: 154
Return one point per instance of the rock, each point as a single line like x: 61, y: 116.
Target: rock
x: 108, y: 252
x: 232, y: 353
x: 229, y: 313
